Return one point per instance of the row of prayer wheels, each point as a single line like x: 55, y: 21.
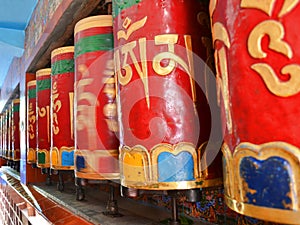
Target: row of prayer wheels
x: 133, y: 100
x: 9, y: 132
x: 135, y: 131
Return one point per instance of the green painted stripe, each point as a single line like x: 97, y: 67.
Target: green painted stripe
x: 101, y: 42
x: 62, y: 66
x: 41, y: 158
x: 119, y: 5
x: 43, y: 84
x: 32, y: 93
x: 16, y: 108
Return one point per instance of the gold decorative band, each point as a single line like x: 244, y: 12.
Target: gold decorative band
x: 140, y: 168
x: 112, y: 152
x: 264, y: 213
x: 62, y: 50
x: 17, y: 100
x: 93, y: 21
x: 43, y: 72
x: 59, y: 167
x: 31, y: 155
x: 180, y: 185
x: 97, y: 176
x: 31, y: 83
x: 46, y: 165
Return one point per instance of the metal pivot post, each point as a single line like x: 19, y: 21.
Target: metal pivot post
x: 174, y: 220
x: 112, y: 204
x: 60, y: 184
x: 48, y: 178
x: 80, y: 193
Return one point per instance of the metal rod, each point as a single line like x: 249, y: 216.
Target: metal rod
x: 111, y: 192
x: 174, y: 209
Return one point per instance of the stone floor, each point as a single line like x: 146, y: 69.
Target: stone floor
x: 47, y: 199
x: 91, y: 208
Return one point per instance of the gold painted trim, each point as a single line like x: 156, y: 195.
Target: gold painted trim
x: 43, y: 165
x: 61, y: 167
x: 61, y: 50
x: 227, y: 171
x: 151, y: 167
x: 43, y: 72
x: 15, y: 101
x: 212, y: 6
x: 138, y: 149
x: 31, y: 83
x: 97, y: 176
x: 264, y: 213
x: 14, y: 153
x: 180, y: 185
x: 32, y: 160
x: 93, y: 21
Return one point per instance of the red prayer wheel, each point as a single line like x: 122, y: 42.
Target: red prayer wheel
x: 10, y: 131
x: 43, y: 88
x: 96, y: 154
x: 15, y: 135
x: 31, y: 121
x: 162, y: 107
x: 257, y: 62
x: 6, y: 134
x: 62, y: 112
x: 1, y: 135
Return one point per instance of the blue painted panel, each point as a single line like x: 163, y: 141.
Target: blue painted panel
x: 80, y: 163
x: 268, y: 181
x: 67, y: 158
x: 173, y: 168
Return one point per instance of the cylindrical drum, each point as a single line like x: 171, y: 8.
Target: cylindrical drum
x: 164, y: 115
x: 15, y: 135
x: 96, y: 155
x: 10, y: 130
x: 43, y: 88
x: 6, y: 133
x: 61, y: 110
x: 257, y: 61
x: 31, y: 121
x: 1, y: 135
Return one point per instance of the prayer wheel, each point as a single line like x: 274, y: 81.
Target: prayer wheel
x: 164, y: 114
x: 257, y: 63
x: 1, y: 135
x: 31, y: 122
x: 6, y: 132
x: 43, y: 88
x: 15, y: 135
x: 96, y: 143
x: 62, y: 113
x: 9, y: 132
